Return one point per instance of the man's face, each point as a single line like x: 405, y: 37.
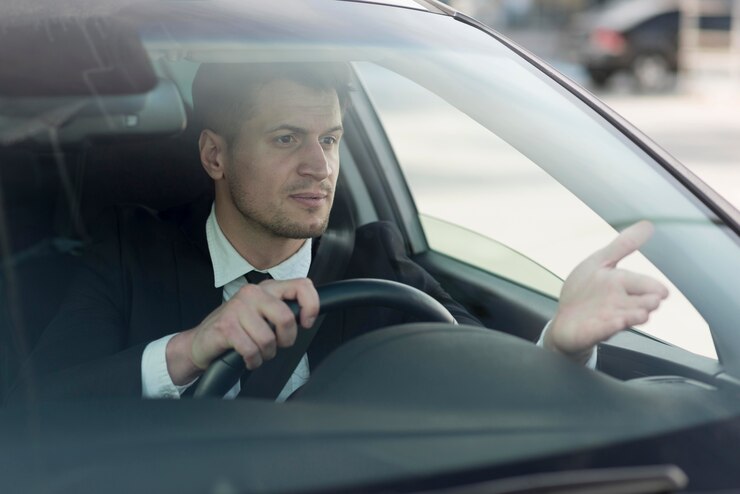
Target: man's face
x: 283, y: 165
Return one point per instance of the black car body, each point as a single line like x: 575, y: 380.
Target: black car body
x: 640, y: 38
x: 96, y: 114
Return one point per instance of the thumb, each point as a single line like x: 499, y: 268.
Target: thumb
x: 627, y: 242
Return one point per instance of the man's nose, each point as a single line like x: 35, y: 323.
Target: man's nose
x: 315, y: 161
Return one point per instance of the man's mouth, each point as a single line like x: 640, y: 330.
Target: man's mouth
x: 310, y: 199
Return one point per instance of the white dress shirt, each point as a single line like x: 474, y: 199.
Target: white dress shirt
x: 229, y: 268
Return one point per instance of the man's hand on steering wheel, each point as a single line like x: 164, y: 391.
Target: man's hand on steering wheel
x: 223, y: 372
x: 243, y: 324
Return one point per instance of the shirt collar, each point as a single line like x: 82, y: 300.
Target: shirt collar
x: 229, y: 265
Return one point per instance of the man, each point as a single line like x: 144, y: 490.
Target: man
x: 270, y: 143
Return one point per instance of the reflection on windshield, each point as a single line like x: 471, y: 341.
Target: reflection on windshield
x: 113, y: 248
x: 476, y: 179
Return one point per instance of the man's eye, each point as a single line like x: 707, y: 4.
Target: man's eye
x: 288, y: 139
x: 329, y: 140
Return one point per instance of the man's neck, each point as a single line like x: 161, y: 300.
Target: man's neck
x: 260, y: 248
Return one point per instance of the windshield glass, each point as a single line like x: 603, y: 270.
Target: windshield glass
x: 584, y: 178
x: 485, y: 181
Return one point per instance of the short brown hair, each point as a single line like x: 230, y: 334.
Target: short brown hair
x: 223, y: 92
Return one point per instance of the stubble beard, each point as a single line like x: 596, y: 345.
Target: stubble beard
x: 277, y: 222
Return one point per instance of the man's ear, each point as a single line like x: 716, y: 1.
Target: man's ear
x: 213, y: 153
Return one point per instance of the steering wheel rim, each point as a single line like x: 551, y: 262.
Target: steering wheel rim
x: 227, y: 369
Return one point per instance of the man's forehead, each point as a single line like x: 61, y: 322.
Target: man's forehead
x: 284, y: 100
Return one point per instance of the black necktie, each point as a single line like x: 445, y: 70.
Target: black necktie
x: 256, y: 277
x: 266, y: 373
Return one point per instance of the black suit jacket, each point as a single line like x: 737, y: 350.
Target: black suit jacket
x: 150, y: 275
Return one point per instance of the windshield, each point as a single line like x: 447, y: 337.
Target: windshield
x: 495, y: 180
x: 512, y: 121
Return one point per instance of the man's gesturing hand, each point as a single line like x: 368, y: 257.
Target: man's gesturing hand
x: 243, y: 323
x: 598, y: 299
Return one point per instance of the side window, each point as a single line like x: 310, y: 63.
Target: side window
x: 471, y: 187
x: 668, y: 22
x: 486, y: 253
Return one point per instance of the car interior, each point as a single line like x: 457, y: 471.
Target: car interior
x: 55, y: 186
x: 66, y: 157
x: 138, y: 149
x: 76, y: 155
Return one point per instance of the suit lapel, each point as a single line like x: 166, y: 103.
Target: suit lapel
x: 192, y: 221
x: 197, y: 294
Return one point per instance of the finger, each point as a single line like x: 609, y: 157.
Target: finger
x: 278, y: 314
x: 308, y: 300
x: 257, y: 329
x: 621, y: 321
x: 635, y: 317
x: 649, y: 302
x: 303, y: 291
x: 248, y: 349
x: 639, y: 284
x: 268, y: 299
x: 264, y: 316
x: 235, y: 337
x: 627, y: 242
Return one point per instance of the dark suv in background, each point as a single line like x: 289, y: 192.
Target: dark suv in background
x: 640, y: 38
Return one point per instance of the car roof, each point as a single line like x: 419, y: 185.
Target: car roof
x: 89, y: 8
x: 411, y: 4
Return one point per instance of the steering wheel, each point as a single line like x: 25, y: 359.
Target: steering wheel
x: 226, y: 370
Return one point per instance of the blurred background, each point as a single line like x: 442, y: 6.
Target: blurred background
x: 671, y: 67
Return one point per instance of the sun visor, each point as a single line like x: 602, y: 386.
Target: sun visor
x: 72, y: 57
x: 70, y: 120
